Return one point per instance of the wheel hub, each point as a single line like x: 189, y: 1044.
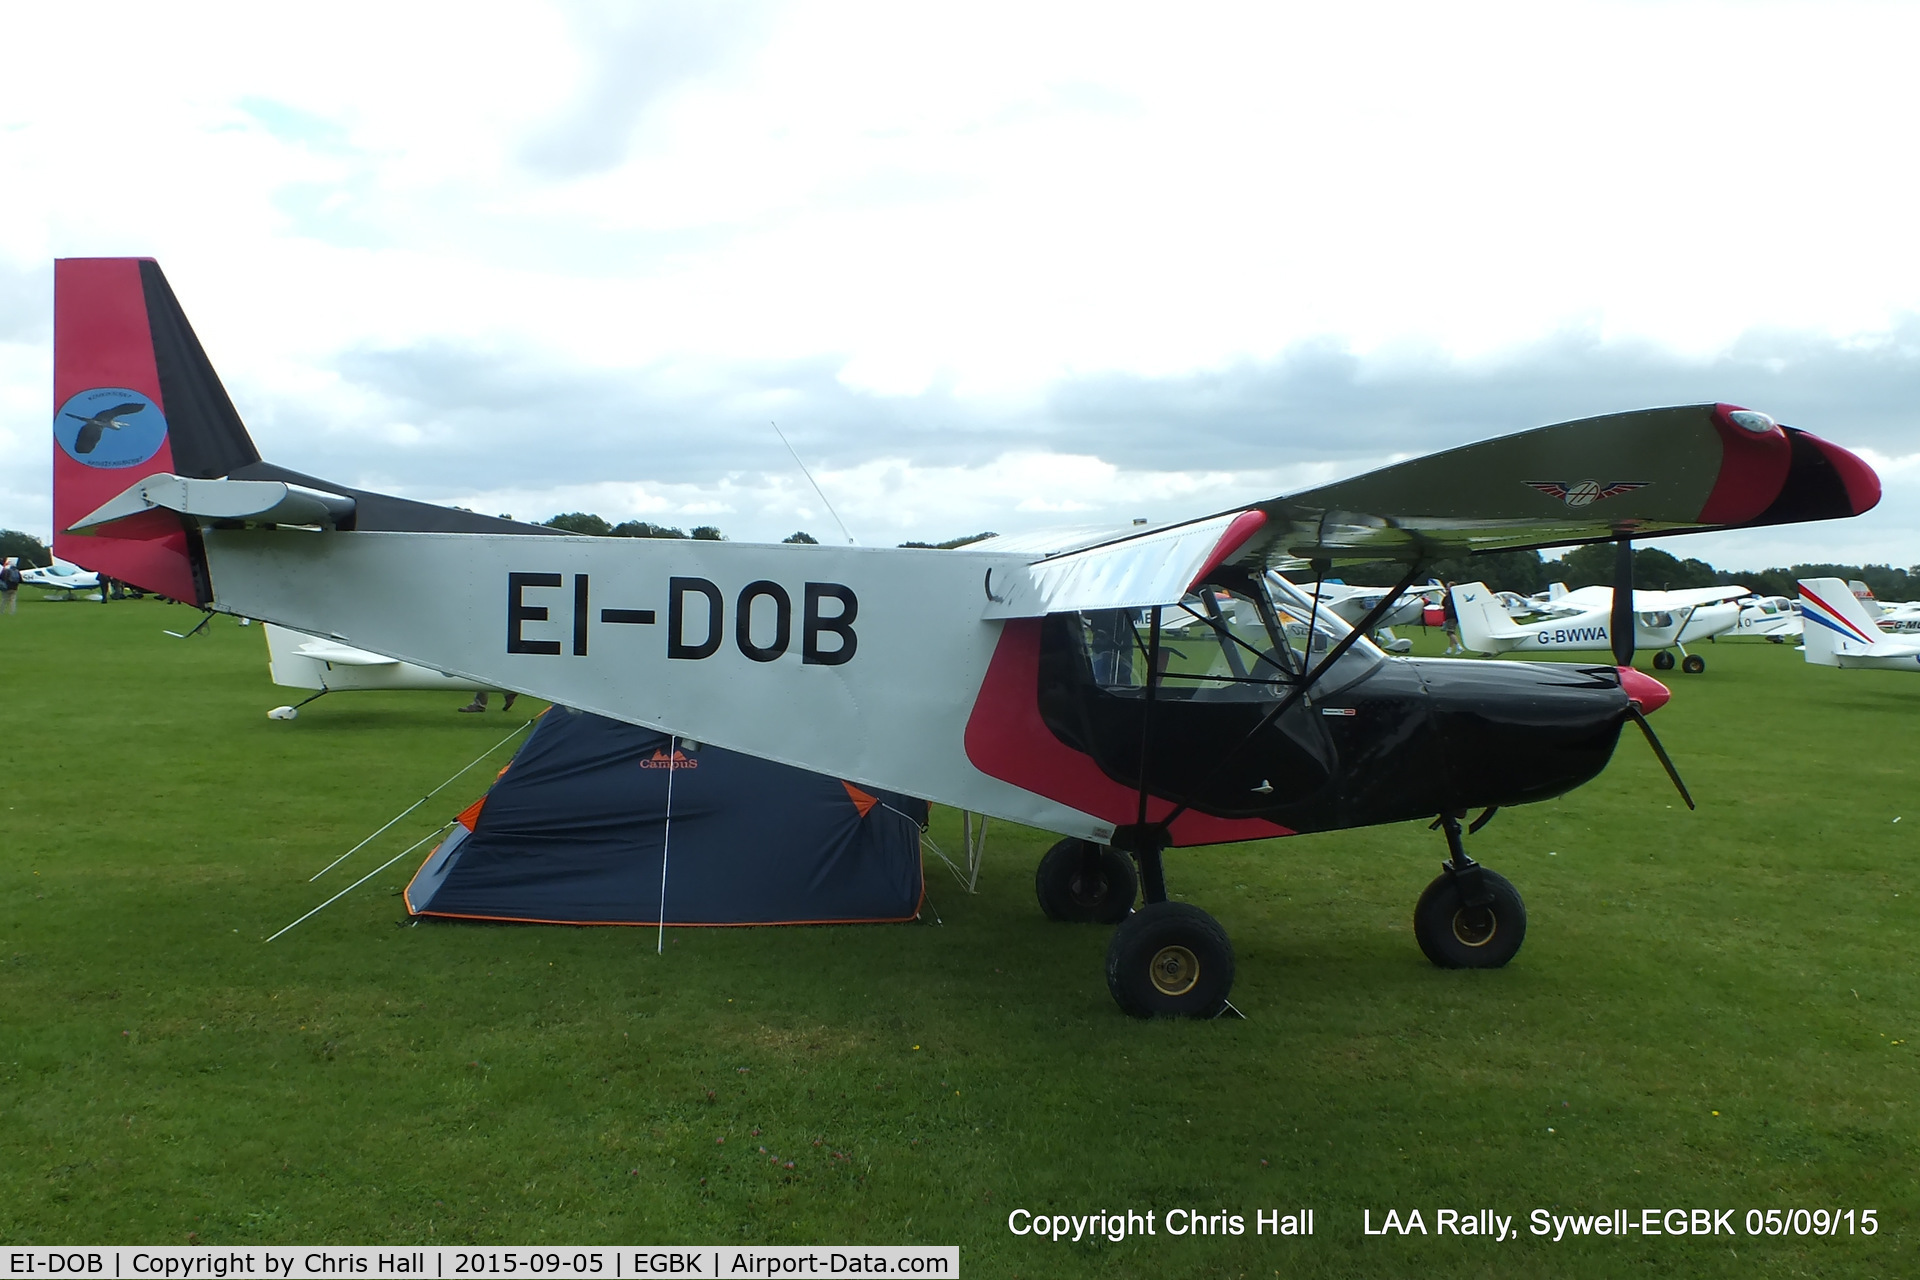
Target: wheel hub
x: 1475, y: 926
x: 1088, y: 890
x: 1174, y: 970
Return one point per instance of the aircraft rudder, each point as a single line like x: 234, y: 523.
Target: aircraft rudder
x: 134, y: 396
x: 1475, y: 608
x: 1834, y: 622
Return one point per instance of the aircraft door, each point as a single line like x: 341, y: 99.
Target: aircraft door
x: 1226, y: 660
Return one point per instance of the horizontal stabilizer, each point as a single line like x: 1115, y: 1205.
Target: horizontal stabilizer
x: 219, y: 501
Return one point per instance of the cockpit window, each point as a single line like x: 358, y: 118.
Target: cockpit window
x: 1295, y: 608
x: 1245, y: 640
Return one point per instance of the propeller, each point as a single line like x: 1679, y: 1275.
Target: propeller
x: 1666, y: 761
x: 1622, y: 621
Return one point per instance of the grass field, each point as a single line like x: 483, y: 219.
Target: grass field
x: 1716, y: 1009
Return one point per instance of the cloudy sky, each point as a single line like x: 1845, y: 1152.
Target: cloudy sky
x: 988, y: 267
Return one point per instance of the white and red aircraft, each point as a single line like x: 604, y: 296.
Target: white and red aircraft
x: 1888, y: 615
x: 1839, y: 632
x: 1031, y: 679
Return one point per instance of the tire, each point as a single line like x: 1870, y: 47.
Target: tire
x: 1663, y: 661
x: 1693, y: 664
x: 1456, y: 936
x: 1170, y: 960
x: 1067, y: 891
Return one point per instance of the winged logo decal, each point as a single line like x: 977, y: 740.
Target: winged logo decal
x: 1584, y: 493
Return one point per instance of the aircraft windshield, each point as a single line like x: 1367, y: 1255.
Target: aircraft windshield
x: 1294, y: 608
x: 1223, y: 642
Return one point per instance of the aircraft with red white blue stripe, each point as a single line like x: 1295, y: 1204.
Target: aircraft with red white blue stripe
x: 1840, y: 633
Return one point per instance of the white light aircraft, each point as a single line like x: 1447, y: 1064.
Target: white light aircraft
x: 1352, y: 603
x: 61, y: 576
x: 1774, y: 617
x: 299, y: 661
x: 1840, y: 632
x: 1009, y: 680
x: 1890, y: 615
x: 1582, y: 622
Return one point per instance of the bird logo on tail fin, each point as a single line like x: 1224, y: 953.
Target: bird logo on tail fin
x: 110, y: 427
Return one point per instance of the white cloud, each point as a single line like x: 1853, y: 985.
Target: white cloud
x: 988, y: 207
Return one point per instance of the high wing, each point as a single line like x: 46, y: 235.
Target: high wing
x: 1690, y: 597
x: 1589, y: 598
x: 1642, y: 474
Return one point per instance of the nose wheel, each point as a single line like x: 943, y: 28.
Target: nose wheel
x: 1469, y: 917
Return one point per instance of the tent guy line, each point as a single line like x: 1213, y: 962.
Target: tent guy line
x: 416, y: 804
x: 370, y: 875
x: 666, y: 844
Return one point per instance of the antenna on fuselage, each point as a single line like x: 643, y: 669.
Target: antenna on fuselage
x: 815, y: 483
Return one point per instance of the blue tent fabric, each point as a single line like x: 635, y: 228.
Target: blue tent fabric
x: 572, y: 833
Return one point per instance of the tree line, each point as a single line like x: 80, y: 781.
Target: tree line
x: 593, y: 525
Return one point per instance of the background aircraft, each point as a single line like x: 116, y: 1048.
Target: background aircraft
x: 1582, y: 622
x: 1352, y: 603
x: 300, y: 661
x: 69, y: 579
x: 1889, y: 615
x: 1775, y: 617
x: 1841, y: 633
x: 1009, y: 679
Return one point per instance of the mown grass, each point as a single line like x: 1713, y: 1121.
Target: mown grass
x: 165, y: 1077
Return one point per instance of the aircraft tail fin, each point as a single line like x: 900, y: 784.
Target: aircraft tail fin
x: 148, y: 446
x: 1835, y: 623
x: 1864, y: 594
x: 134, y: 396
x: 1484, y: 625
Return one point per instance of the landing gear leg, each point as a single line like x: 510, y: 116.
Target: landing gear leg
x: 1469, y: 917
x: 1168, y: 959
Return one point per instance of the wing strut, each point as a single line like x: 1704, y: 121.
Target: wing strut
x: 1153, y: 876
x: 1622, y: 621
x: 1154, y: 836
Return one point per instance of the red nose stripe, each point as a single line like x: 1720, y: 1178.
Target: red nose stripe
x: 1649, y: 694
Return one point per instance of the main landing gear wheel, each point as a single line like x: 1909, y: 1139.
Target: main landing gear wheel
x: 1170, y: 960
x: 1085, y: 883
x: 1459, y: 933
x: 1663, y: 661
x: 1693, y: 664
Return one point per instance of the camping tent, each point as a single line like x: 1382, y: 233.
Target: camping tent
x: 574, y: 831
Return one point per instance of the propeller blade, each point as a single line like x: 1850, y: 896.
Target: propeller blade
x: 1622, y: 622
x: 1666, y: 762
